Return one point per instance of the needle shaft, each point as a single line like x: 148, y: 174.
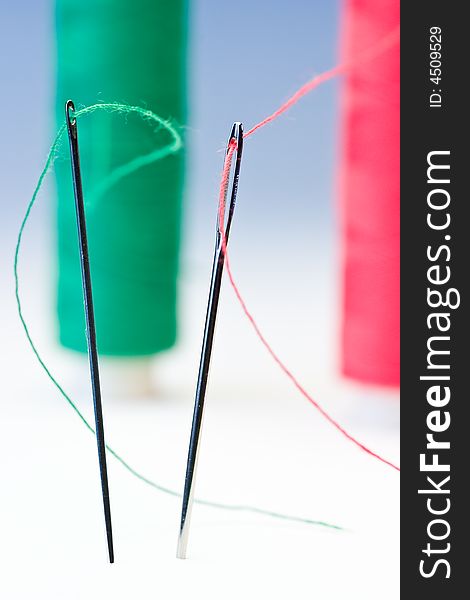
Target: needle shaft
x: 90, y: 318
x: 209, y: 329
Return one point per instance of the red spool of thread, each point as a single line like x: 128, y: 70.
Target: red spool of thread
x: 370, y: 191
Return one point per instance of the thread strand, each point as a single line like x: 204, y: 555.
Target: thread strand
x: 384, y: 44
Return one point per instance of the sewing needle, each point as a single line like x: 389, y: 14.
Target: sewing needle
x: 211, y: 315
x: 90, y: 318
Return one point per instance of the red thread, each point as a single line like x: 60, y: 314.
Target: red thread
x: 368, y: 193
x: 384, y: 44
x: 305, y: 89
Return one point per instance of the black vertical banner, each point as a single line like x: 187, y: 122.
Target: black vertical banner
x: 435, y: 335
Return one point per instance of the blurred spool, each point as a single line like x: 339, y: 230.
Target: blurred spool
x: 134, y: 52
x: 370, y: 192
x: 126, y: 376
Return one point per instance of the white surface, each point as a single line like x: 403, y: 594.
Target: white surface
x: 262, y: 445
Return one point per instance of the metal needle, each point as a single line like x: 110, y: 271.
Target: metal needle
x: 90, y: 318
x: 211, y: 315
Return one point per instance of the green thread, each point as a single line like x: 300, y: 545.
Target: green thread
x: 135, y: 54
x: 140, y: 161
x: 113, y: 178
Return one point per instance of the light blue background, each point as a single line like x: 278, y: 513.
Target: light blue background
x: 245, y: 59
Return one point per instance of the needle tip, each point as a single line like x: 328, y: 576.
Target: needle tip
x: 182, y: 542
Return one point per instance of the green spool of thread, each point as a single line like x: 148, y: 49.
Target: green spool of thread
x: 131, y: 51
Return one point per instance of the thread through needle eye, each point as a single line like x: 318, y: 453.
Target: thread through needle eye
x: 223, y: 225
x: 90, y: 317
